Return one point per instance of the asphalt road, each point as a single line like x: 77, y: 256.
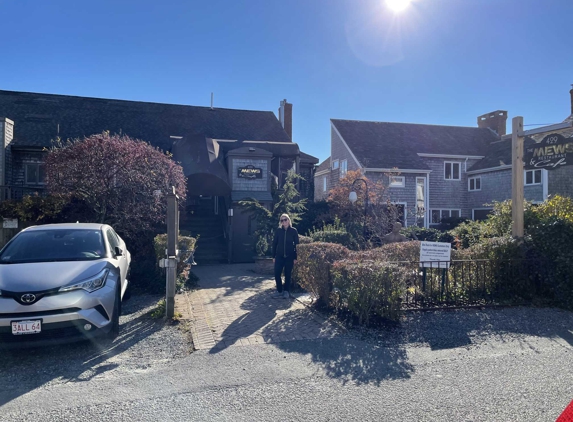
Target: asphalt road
x: 508, y: 365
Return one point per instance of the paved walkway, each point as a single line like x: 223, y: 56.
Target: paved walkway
x: 234, y: 307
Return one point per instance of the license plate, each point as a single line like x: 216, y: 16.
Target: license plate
x: 26, y: 327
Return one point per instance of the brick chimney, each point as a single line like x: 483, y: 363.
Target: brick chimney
x: 285, y: 117
x: 496, y: 121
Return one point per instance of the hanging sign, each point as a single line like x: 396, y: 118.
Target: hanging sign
x: 250, y: 172
x: 552, y: 152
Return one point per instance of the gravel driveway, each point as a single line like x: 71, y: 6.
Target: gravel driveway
x: 143, y: 342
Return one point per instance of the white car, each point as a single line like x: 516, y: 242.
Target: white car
x: 62, y: 282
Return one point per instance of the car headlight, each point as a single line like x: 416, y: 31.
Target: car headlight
x: 91, y: 284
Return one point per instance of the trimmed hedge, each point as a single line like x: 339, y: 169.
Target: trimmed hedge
x: 367, y: 288
x: 312, y: 271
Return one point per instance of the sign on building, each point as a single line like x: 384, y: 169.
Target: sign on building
x: 250, y: 172
x: 10, y: 223
x: 552, y: 152
x: 435, y: 254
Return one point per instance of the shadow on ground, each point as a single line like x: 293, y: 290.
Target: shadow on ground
x: 28, y: 367
x: 260, y: 309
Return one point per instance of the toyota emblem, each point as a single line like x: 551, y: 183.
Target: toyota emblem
x: 28, y: 298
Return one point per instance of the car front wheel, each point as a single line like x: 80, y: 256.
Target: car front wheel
x: 114, y: 332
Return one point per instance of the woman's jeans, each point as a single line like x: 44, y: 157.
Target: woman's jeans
x: 286, y: 263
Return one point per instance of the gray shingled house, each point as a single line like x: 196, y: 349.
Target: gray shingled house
x: 433, y: 172
x: 227, y: 155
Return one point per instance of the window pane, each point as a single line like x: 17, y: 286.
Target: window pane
x: 478, y: 183
x: 31, y: 173
x: 528, y: 177
x: 42, y: 173
x: 456, y: 170
x: 435, y: 216
x: 448, y: 171
x: 472, y: 184
x: 445, y: 214
x: 537, y: 176
x: 455, y: 213
x: 324, y: 184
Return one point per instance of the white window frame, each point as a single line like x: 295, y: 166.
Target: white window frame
x: 335, y: 164
x: 38, y: 181
x: 452, y: 172
x: 475, y: 179
x: 532, y: 177
x: 324, y: 184
x: 343, y: 168
x: 397, y: 181
x: 442, y: 210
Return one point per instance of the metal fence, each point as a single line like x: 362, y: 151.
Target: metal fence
x: 472, y: 282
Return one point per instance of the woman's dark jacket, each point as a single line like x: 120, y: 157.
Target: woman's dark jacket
x: 284, y: 243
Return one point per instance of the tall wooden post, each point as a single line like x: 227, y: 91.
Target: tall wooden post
x: 517, y: 177
x: 172, y: 235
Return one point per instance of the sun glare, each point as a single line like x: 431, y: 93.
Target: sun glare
x: 397, y: 5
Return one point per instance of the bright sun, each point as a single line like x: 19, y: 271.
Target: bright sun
x: 397, y: 5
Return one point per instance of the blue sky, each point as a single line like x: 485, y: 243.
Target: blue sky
x: 437, y: 62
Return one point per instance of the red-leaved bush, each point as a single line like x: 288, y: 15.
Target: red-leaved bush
x: 115, y: 178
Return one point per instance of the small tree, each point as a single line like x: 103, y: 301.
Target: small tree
x: 118, y: 179
x: 285, y: 201
x: 380, y: 215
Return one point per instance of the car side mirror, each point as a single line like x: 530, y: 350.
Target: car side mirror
x: 118, y: 251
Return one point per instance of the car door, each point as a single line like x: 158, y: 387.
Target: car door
x: 122, y: 262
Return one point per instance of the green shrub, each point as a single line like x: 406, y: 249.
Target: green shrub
x: 316, y: 214
x: 334, y: 233
x: 312, y: 270
x: 428, y: 235
x: 186, y: 247
x: 369, y: 288
x: 303, y: 240
x: 392, y: 252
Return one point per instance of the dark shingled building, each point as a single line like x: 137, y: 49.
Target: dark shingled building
x: 217, y: 148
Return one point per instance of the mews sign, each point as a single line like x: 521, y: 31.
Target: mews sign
x: 552, y: 152
x: 250, y: 172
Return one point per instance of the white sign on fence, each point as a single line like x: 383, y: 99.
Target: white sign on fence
x: 435, y: 254
x: 10, y: 223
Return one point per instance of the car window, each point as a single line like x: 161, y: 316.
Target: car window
x: 54, y: 245
x: 112, y: 239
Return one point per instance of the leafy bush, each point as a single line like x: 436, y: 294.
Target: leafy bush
x: 424, y: 234
x: 367, y: 288
x: 186, y: 247
x: 312, y: 271
x: 334, y: 233
x: 392, y: 252
x: 303, y: 240
x: 316, y: 214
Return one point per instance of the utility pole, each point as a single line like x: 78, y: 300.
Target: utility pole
x: 517, y: 177
x: 171, y: 261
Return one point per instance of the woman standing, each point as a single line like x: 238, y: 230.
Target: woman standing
x: 284, y: 254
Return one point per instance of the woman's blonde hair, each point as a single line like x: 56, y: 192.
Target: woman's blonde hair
x: 287, y: 217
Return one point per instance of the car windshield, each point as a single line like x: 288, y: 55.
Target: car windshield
x: 54, y: 245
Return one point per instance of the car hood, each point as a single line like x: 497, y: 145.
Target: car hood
x: 39, y: 276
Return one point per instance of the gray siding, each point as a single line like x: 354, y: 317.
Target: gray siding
x: 496, y: 186
x: 560, y: 181
x: 339, y: 151
x: 405, y: 195
x: 242, y: 184
x: 448, y: 194
x: 319, y: 186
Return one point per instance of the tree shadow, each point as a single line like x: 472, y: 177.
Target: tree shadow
x: 28, y: 366
x: 341, y: 355
x: 262, y: 309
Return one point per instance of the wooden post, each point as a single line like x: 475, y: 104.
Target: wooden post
x: 172, y: 235
x: 517, y: 177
